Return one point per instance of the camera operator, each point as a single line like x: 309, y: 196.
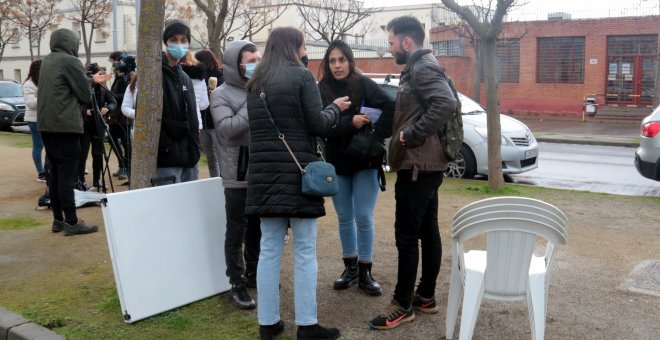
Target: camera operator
x: 63, y: 88
x: 94, y: 131
x: 120, y: 126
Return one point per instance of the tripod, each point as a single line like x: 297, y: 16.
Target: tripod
x: 103, y: 131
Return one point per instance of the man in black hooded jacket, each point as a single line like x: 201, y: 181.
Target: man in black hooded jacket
x: 178, y: 146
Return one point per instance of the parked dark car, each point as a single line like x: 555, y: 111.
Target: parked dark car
x: 647, y: 156
x: 12, y: 104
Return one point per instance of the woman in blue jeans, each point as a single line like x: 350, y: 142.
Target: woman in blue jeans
x: 274, y: 181
x: 30, y: 95
x: 359, y: 177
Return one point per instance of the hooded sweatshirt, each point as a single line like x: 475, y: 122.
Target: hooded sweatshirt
x: 230, y: 118
x: 63, y: 86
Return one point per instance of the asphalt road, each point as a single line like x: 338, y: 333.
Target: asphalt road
x: 596, y: 168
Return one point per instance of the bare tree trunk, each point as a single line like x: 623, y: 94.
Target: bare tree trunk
x: 86, y: 45
x: 477, y: 80
x: 495, y: 178
x: 656, y: 88
x: 150, y: 105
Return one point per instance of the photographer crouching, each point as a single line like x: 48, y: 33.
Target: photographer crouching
x: 63, y: 88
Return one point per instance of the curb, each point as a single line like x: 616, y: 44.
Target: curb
x: 16, y: 327
x: 578, y: 140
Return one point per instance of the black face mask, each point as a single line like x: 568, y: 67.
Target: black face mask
x: 304, y: 60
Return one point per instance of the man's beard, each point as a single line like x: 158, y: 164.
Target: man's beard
x: 401, y: 57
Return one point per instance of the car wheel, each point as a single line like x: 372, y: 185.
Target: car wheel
x: 5, y: 127
x: 464, y: 166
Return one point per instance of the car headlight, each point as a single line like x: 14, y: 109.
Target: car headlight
x: 6, y: 107
x: 483, y: 132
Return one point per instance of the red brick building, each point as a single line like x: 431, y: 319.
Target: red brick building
x: 550, y: 66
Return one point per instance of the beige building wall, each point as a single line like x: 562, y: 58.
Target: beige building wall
x: 16, y: 59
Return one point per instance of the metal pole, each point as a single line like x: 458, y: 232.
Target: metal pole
x: 137, y: 13
x: 115, y: 39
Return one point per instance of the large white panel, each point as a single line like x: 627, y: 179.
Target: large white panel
x: 167, y: 245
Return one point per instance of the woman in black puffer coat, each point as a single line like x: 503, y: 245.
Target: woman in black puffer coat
x: 274, y: 180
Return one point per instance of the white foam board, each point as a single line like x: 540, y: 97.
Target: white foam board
x: 167, y: 245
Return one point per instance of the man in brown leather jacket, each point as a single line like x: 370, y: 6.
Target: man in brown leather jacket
x: 423, y: 105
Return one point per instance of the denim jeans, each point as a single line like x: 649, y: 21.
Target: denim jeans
x: 241, y: 230
x: 305, y: 269
x: 180, y: 174
x: 37, y: 146
x: 63, y: 150
x: 355, y: 204
x: 416, y: 218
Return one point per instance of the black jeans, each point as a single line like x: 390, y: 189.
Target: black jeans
x: 120, y: 134
x: 94, y: 137
x: 241, y: 229
x: 417, y: 218
x: 63, y: 152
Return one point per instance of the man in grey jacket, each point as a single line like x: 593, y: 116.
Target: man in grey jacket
x: 424, y: 104
x: 230, y: 118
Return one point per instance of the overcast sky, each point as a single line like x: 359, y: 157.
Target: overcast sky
x: 576, y: 8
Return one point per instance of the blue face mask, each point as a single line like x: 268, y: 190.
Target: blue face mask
x: 177, y: 51
x: 249, y: 70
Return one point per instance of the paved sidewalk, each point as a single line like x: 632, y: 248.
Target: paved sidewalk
x: 591, y: 131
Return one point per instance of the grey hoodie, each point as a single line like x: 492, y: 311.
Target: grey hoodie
x: 230, y: 117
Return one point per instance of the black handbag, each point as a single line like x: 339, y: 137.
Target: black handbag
x: 318, y: 178
x: 365, y: 146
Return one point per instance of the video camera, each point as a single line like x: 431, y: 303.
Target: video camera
x: 125, y: 64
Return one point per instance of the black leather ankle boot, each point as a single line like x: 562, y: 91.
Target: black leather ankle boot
x: 350, y: 274
x: 271, y: 331
x: 367, y: 282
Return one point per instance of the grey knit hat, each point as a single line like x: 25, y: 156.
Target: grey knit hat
x: 174, y: 27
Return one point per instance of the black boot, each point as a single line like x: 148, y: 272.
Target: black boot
x: 350, y: 274
x: 271, y: 331
x: 367, y: 282
x: 317, y: 332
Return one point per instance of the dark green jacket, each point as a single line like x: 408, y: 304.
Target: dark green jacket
x: 63, y: 86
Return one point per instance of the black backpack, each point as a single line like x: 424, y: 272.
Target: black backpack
x: 451, y: 134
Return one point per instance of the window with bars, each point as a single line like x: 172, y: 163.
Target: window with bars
x: 632, y: 44
x: 507, y: 59
x: 560, y: 60
x: 452, y: 47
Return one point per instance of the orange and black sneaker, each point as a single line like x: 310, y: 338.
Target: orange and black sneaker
x: 424, y: 305
x: 393, y: 317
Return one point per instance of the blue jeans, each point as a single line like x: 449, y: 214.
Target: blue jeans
x: 180, y: 174
x: 305, y: 269
x: 355, y: 204
x: 37, y: 146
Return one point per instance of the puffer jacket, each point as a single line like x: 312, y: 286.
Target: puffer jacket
x: 118, y: 89
x: 340, y: 136
x: 230, y: 119
x: 178, y: 144
x: 422, y: 150
x: 63, y: 86
x: 274, y: 180
x: 30, y: 96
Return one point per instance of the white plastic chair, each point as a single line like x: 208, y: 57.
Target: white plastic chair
x: 508, y: 269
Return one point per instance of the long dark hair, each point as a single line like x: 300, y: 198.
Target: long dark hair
x: 208, y: 58
x: 329, y: 87
x: 281, y: 51
x: 34, y: 72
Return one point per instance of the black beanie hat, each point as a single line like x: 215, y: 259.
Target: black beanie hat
x: 174, y: 27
